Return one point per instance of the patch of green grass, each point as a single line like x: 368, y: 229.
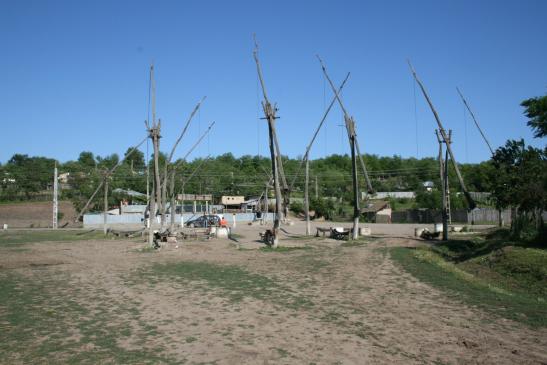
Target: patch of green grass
x: 22, y: 237
x: 44, y: 320
x: 236, y: 236
x: 284, y: 248
x: 516, y: 268
x: 358, y: 242
x: 232, y: 281
x: 431, y: 268
x: 282, y: 352
x: 190, y: 339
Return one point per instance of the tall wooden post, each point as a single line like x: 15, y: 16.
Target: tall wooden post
x: 265, y: 204
x: 172, y: 207
x: 356, y: 209
x: 305, y: 159
x: 442, y: 169
x: 105, y: 230
x: 307, y: 198
x: 55, y: 198
x: 446, y: 184
x: 443, y: 173
x: 470, y: 202
x: 350, y: 128
x: 269, y: 113
x: 278, y: 206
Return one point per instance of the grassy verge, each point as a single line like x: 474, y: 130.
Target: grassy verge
x: 461, y: 284
x: 45, y: 321
x: 232, y: 282
x: 21, y: 237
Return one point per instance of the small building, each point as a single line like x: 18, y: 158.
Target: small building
x: 428, y: 185
x: 252, y: 204
x: 232, y: 201
x: 377, y: 212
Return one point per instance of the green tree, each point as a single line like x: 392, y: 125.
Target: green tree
x: 520, y: 182
x: 536, y: 111
x: 87, y: 160
x: 135, y: 159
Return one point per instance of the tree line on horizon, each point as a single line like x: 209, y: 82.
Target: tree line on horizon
x: 516, y: 175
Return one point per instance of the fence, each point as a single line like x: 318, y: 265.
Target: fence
x: 96, y: 220
x: 476, y: 216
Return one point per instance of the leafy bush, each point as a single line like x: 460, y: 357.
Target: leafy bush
x: 322, y: 207
x: 297, y: 207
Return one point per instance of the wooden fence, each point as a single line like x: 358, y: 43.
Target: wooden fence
x: 476, y: 216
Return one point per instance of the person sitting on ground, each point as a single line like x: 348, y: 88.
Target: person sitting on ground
x: 223, y: 222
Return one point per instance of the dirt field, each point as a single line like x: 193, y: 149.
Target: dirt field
x: 34, y: 214
x: 227, y: 302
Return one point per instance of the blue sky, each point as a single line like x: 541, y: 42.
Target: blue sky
x: 75, y: 73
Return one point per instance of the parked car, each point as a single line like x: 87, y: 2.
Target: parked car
x: 204, y: 221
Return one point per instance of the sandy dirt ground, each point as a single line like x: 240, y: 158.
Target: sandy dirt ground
x: 35, y: 214
x: 328, y: 304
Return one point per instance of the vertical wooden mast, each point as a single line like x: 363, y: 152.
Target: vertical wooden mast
x: 269, y: 113
x: 352, y: 138
x: 470, y: 202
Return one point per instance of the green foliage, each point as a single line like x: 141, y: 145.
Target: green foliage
x: 25, y: 177
x: 536, y: 111
x: 520, y: 181
x: 87, y: 160
x: 297, y: 207
x: 475, y: 288
x: 322, y: 207
x: 135, y: 160
x: 428, y: 199
x: 225, y: 175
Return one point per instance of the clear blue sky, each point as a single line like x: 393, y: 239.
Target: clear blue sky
x: 75, y: 73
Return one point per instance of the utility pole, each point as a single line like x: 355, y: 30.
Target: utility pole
x: 352, y: 137
x: 172, y: 205
x: 470, y: 202
x: 269, y: 112
x: 446, y: 187
x: 55, y: 198
x: 443, y: 173
x: 306, y: 198
x: 105, y: 230
x: 154, y: 135
x: 356, y: 209
x: 265, y: 203
x: 305, y: 159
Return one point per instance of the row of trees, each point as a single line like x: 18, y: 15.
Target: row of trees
x: 516, y: 175
x: 24, y: 177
